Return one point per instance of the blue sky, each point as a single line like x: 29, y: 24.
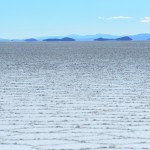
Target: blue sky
x: 35, y: 18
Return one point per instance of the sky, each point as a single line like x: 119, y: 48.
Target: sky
x: 37, y: 18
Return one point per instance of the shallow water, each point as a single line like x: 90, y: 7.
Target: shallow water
x: 75, y: 96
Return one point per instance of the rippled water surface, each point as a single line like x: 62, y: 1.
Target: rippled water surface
x: 75, y: 96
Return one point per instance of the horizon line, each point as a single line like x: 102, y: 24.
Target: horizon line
x: 74, y: 34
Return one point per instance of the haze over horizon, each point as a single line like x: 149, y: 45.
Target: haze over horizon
x: 24, y: 19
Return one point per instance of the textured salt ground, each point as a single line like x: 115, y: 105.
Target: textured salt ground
x: 81, y: 95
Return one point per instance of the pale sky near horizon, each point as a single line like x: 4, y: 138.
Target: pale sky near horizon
x: 36, y: 18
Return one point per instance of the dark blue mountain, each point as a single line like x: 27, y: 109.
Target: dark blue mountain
x: 48, y: 40
x: 56, y: 39
x: 125, y: 38
x: 67, y: 39
x: 30, y: 40
x: 103, y: 39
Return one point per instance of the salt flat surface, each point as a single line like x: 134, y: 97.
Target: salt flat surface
x: 75, y: 96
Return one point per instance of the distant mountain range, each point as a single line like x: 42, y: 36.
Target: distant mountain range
x: 56, y: 39
x: 125, y: 38
x: 144, y: 36
x: 31, y: 40
x: 140, y: 36
x: 75, y: 37
x: 81, y: 37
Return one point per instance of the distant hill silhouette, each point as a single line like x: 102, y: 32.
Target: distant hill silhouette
x: 103, y: 39
x: 56, y: 39
x: 30, y: 40
x: 125, y: 38
x: 47, y: 40
x: 67, y: 39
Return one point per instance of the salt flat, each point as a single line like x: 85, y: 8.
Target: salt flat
x: 75, y: 96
